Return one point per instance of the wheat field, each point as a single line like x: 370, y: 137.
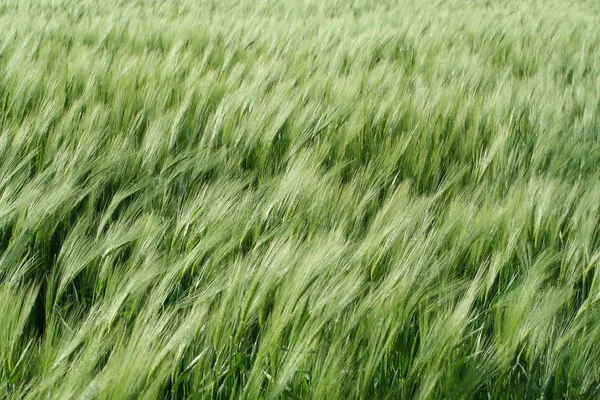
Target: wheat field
x: 264, y: 199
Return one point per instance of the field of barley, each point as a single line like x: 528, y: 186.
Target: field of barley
x: 299, y: 199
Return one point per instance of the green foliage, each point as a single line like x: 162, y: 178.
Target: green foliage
x: 299, y: 199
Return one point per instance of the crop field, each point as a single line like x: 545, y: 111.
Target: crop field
x: 265, y: 199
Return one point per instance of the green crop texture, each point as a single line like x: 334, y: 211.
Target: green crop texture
x: 299, y: 199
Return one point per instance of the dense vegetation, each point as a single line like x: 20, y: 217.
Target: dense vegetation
x: 299, y: 199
